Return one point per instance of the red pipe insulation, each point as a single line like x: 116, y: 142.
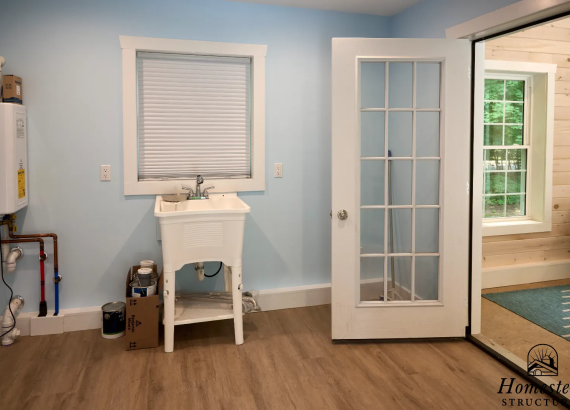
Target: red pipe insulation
x: 42, y: 276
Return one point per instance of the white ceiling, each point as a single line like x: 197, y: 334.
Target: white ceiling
x: 378, y: 7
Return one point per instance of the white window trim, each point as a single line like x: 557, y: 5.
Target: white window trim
x: 539, y: 201
x: 257, y: 53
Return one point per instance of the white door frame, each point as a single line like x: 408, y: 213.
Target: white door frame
x: 507, y: 18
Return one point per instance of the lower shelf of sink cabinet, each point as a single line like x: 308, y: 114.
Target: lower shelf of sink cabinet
x: 192, y: 311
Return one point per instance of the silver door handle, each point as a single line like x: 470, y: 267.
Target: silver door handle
x: 342, y: 214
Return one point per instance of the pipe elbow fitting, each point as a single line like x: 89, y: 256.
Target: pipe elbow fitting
x: 15, y: 255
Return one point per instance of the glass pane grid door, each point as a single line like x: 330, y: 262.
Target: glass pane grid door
x: 506, y: 146
x: 400, y: 124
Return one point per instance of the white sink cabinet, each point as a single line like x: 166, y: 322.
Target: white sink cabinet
x: 201, y: 231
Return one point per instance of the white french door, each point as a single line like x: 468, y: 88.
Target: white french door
x: 400, y: 196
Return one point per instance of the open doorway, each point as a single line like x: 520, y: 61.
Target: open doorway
x: 521, y: 185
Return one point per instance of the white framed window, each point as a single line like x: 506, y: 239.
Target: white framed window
x: 192, y: 108
x: 518, y: 112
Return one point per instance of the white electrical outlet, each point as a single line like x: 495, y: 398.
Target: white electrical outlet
x: 105, y: 172
x: 278, y: 170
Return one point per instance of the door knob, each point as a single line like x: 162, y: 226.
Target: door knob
x: 342, y: 214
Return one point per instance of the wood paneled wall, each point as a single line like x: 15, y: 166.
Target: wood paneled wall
x: 549, y: 43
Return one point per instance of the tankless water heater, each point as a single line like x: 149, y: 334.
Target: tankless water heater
x: 13, y: 158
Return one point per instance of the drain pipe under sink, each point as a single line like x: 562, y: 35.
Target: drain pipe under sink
x: 199, y: 268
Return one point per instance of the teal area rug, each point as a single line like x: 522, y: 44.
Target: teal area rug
x: 548, y: 307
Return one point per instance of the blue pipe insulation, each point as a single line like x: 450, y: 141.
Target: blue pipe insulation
x: 56, y: 282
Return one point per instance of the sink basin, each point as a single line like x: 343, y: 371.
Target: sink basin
x: 214, y: 205
x: 201, y: 230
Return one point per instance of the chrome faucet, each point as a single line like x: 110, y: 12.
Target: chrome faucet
x: 199, y: 181
x: 199, y: 194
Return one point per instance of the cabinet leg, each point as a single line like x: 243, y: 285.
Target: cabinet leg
x: 227, y: 278
x: 237, y: 300
x: 169, y: 299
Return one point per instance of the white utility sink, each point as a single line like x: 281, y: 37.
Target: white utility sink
x: 215, y: 204
x: 201, y: 230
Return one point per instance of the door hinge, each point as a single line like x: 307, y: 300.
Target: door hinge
x: 469, y: 72
x: 467, y: 188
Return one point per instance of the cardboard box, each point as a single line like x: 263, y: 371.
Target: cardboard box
x: 142, y: 317
x: 12, y: 91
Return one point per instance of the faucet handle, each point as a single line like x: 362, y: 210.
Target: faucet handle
x: 205, y: 192
x: 190, y: 191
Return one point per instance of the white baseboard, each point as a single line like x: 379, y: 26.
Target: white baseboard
x: 71, y: 320
x: 299, y: 296
x: 68, y: 320
x: 525, y: 273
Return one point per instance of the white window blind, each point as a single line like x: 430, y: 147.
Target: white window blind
x: 193, y: 116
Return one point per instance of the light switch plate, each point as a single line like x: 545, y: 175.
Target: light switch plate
x: 278, y: 170
x: 105, y: 172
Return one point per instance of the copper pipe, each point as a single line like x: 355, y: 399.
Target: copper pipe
x: 56, y: 276
x: 41, y: 241
x: 38, y: 235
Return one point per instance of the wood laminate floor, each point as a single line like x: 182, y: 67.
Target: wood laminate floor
x: 287, y: 362
x: 519, y: 335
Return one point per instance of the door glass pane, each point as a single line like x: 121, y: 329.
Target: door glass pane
x: 400, y: 128
x: 372, y: 182
x: 427, y: 182
x: 427, y: 230
x: 399, y: 278
x: 399, y: 182
x: 387, y: 222
x: 399, y: 230
x: 372, y: 134
x: 372, y: 279
x: 372, y: 85
x: 427, y: 85
x: 371, y: 230
x: 400, y: 85
x: 427, y: 134
x: 426, y: 278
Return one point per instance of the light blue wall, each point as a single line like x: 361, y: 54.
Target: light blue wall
x: 68, y: 54
x: 430, y: 18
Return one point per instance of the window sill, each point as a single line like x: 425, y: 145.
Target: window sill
x: 175, y: 186
x: 515, y: 227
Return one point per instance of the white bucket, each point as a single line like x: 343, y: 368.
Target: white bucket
x: 139, y: 291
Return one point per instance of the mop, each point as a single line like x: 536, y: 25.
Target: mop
x: 392, y: 294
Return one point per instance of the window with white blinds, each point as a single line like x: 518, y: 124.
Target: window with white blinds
x: 194, y: 116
